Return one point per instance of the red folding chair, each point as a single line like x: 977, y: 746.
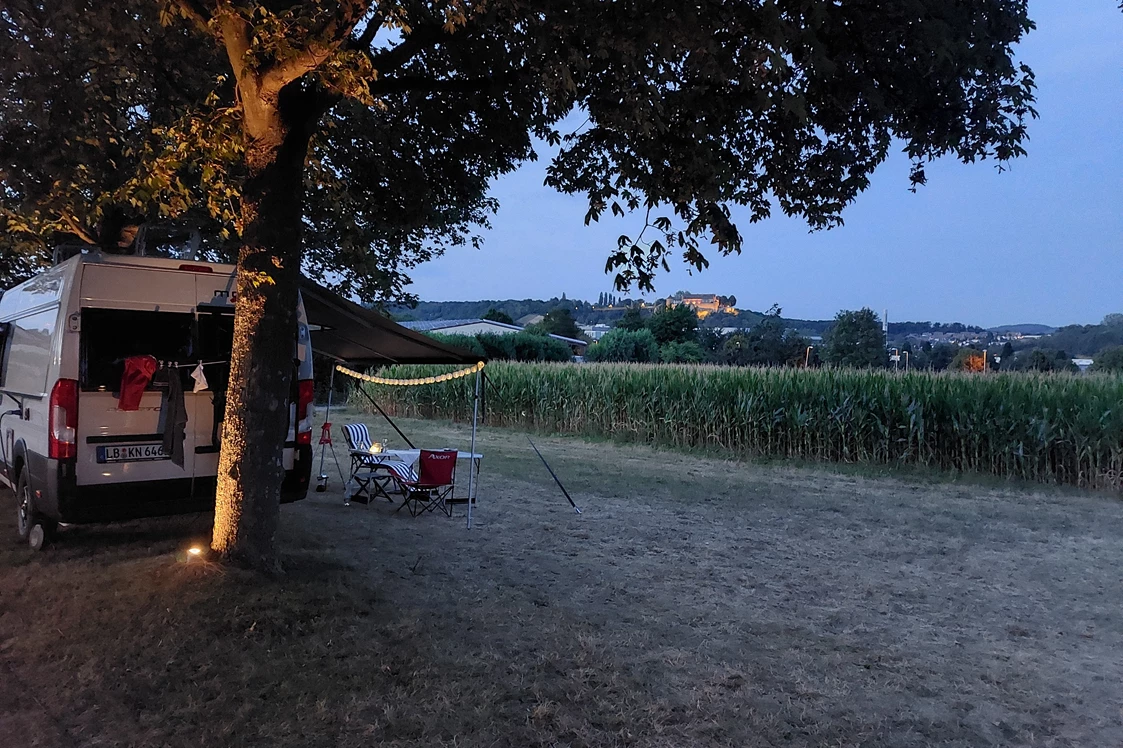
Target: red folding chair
x: 433, y: 485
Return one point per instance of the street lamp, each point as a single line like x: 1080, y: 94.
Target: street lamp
x: 807, y: 357
x: 895, y: 358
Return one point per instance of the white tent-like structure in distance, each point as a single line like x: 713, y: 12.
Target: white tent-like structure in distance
x: 354, y: 336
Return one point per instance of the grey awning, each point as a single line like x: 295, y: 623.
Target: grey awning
x: 356, y: 335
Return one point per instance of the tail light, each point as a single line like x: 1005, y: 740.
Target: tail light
x: 304, y: 412
x: 62, y: 421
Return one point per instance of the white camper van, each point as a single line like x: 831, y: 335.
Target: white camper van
x: 67, y: 449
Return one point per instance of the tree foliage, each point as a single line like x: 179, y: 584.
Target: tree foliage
x: 686, y: 352
x: 495, y: 315
x: 1110, y: 359
x: 154, y: 134
x: 560, y: 321
x: 1083, y: 340
x: 625, y: 345
x: 938, y: 357
x: 518, y: 346
x: 112, y: 117
x: 767, y: 343
x: 969, y: 360
x: 1041, y: 359
x: 524, y: 346
x: 673, y: 324
x: 632, y: 320
x: 855, y: 339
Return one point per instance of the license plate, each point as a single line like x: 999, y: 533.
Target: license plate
x: 130, y: 453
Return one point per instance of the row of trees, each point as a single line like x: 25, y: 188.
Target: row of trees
x: 1082, y: 340
x: 519, y: 346
x: 672, y: 335
x: 855, y: 339
x: 610, y: 299
x: 1109, y: 359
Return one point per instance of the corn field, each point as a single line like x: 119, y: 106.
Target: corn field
x: 1054, y: 428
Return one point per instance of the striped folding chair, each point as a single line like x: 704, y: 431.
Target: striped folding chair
x: 371, y: 475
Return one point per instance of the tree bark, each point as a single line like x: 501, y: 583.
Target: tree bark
x: 250, y: 468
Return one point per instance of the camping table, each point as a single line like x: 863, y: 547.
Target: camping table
x: 411, y: 457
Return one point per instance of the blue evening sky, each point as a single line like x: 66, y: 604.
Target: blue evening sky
x: 1042, y: 242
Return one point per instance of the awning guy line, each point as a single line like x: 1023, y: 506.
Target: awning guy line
x: 410, y: 382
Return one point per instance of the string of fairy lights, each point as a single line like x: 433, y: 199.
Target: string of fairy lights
x: 410, y: 382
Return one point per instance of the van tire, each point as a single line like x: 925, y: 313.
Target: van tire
x: 25, y: 505
x: 41, y: 535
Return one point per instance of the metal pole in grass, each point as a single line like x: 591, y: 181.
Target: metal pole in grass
x: 378, y: 407
x: 472, y: 460
x: 322, y: 478
x: 555, y: 477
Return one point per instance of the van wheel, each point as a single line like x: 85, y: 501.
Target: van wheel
x: 36, y: 531
x: 25, y: 506
x: 41, y: 535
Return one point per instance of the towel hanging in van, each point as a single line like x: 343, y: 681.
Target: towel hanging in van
x: 138, y: 373
x: 175, y: 418
x: 200, y: 378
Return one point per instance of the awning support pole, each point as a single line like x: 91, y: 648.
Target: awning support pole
x: 388, y: 420
x: 327, y: 419
x: 472, y: 462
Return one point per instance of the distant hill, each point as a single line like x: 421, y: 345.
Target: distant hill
x: 1082, y: 340
x: 1024, y: 329
x: 1074, y: 340
x: 586, y: 314
x: 429, y: 310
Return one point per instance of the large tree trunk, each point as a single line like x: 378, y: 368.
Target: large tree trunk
x: 250, y: 469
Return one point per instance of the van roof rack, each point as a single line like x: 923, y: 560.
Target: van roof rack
x: 64, y: 252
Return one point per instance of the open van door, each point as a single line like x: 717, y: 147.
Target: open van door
x: 121, y: 445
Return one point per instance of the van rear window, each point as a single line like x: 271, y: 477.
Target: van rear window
x: 216, y: 335
x: 109, y: 336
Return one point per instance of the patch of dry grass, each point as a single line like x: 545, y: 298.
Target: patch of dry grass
x: 695, y: 602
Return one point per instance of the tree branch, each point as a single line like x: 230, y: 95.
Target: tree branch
x: 280, y: 74
x: 335, y: 31
x: 236, y: 38
x: 422, y: 38
x: 366, y: 38
x: 402, y: 84
x: 77, y: 230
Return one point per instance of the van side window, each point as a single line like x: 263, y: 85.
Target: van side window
x: 28, y: 352
x: 109, y: 336
x: 216, y: 335
x: 216, y: 340
x: 5, y: 331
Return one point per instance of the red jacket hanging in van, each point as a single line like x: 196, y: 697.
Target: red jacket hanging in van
x: 138, y: 373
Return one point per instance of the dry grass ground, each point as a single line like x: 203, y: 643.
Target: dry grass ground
x: 695, y: 602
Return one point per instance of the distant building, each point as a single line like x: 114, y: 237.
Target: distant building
x: 1082, y: 363
x: 595, y: 332
x: 702, y: 303
x: 478, y: 326
x: 529, y: 319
